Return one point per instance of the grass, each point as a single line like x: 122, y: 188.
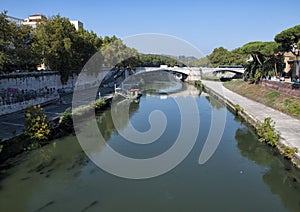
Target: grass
x: 279, y: 101
x: 210, y: 78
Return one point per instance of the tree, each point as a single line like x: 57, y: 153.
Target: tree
x: 54, y: 41
x: 221, y: 56
x: 153, y: 60
x: 265, y: 59
x: 23, y: 56
x: 6, y: 37
x: 36, y: 125
x: 15, y: 46
x: 116, y: 52
x: 289, y: 39
x: 203, y: 62
x: 86, y: 45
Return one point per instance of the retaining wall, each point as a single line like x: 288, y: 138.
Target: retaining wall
x: 289, y: 88
x: 18, y: 90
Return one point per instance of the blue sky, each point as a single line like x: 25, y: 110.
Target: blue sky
x: 205, y: 24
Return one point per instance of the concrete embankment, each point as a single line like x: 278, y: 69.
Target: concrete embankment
x: 15, y: 144
x: 253, y: 112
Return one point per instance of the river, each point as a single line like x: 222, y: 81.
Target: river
x: 242, y: 175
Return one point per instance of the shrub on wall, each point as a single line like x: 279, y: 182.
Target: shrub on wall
x: 36, y: 126
x: 266, y: 132
x: 66, y: 121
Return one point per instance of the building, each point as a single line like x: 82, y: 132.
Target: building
x: 77, y: 24
x: 17, y: 21
x: 33, y: 20
x: 292, y: 64
x: 287, y: 56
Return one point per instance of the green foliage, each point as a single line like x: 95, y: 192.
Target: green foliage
x: 198, y: 84
x: 96, y: 105
x: 266, y: 132
x: 82, y: 110
x: 54, y: 42
x: 252, y: 80
x: 273, y: 95
x: 221, y: 56
x: 15, y: 46
x: 86, y: 44
x: 203, y: 62
x: 288, y: 39
x: 152, y: 60
x: 292, y: 107
x: 289, y: 152
x: 238, y: 108
x: 36, y: 125
x: 190, y: 61
x: 99, y: 103
x: 265, y: 61
x: 66, y: 121
x: 117, y: 54
x: 275, y: 99
x: 265, y: 48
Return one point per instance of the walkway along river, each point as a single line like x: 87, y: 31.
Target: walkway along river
x: 288, y: 127
x: 242, y: 175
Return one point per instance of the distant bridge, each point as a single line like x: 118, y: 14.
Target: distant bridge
x: 188, y: 73
x: 196, y: 73
x: 117, y: 76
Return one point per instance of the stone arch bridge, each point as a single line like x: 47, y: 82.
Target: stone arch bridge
x: 196, y: 73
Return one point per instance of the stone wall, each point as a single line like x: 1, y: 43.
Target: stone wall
x: 10, y: 108
x: 34, y: 80
x: 18, y: 90
x: 292, y: 89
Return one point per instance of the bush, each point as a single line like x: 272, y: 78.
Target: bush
x: 36, y: 125
x: 99, y: 103
x: 66, y: 121
x: 289, y: 152
x: 82, y: 110
x: 238, y: 108
x: 251, y: 80
x: 266, y: 132
x: 198, y: 83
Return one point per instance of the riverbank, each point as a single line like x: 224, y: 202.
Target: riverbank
x: 253, y: 112
x: 273, y: 98
x: 61, y: 125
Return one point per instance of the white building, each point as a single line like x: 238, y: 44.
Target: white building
x: 33, y: 20
x: 77, y: 24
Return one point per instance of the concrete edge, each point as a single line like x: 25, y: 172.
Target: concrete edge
x: 253, y: 122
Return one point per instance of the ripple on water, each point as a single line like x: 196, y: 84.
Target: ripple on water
x: 45, y: 206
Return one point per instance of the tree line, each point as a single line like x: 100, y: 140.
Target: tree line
x: 54, y: 42
x: 260, y: 58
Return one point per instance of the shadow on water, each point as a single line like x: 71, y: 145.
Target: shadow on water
x: 61, y: 163
x: 281, y: 176
x: 60, y: 176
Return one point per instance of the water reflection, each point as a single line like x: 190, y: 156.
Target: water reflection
x: 242, y: 175
x: 105, y: 121
x: 281, y: 177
